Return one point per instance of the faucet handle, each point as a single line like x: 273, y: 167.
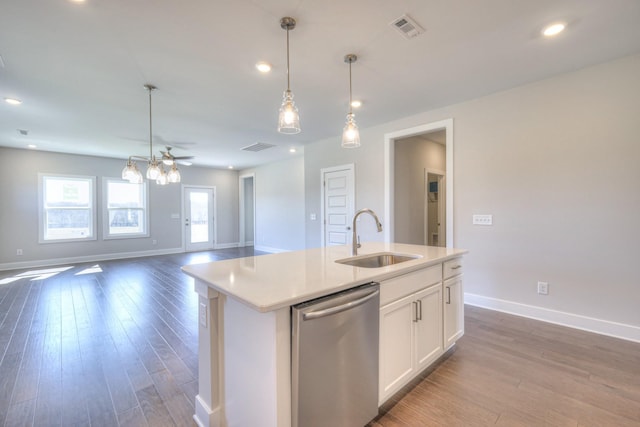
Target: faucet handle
x: 359, y: 245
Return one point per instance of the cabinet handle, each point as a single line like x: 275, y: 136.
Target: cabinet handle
x: 420, y: 307
x: 415, y: 311
x: 448, y: 294
x: 456, y: 267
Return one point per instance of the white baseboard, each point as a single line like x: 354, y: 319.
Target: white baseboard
x: 86, y: 258
x: 270, y: 250
x: 599, y: 326
x: 226, y: 245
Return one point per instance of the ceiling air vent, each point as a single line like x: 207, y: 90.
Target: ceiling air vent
x: 407, y: 27
x: 258, y: 146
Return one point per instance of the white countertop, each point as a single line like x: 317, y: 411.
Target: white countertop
x: 273, y: 281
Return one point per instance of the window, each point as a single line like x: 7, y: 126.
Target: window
x: 67, y: 211
x: 125, y: 209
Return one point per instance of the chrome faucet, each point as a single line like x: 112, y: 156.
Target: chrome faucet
x: 355, y: 243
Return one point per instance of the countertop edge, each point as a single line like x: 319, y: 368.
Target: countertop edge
x: 389, y: 273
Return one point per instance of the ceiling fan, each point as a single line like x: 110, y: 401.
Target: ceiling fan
x: 169, y: 159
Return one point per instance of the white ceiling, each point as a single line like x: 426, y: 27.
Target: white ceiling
x: 79, y: 68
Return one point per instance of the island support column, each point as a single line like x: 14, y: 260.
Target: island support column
x: 208, y: 401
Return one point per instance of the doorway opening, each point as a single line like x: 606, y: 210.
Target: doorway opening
x: 419, y: 185
x: 199, y: 217
x: 247, y: 220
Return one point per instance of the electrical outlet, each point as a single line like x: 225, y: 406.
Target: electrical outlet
x: 19, y: 252
x: 483, y: 220
x: 543, y: 288
x: 154, y: 242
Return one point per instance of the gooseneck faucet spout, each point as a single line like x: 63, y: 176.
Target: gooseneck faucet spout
x: 355, y: 243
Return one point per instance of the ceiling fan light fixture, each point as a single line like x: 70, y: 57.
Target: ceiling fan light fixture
x: 350, y: 133
x: 155, y: 168
x: 288, y: 117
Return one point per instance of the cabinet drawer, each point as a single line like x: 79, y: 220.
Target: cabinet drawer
x: 398, y: 287
x: 451, y: 268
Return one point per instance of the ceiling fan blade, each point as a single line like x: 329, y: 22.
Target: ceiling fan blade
x: 182, y: 157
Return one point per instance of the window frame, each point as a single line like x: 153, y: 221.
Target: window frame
x: 106, y: 233
x: 42, y: 216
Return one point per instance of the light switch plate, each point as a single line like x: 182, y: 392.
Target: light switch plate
x: 483, y: 220
x: 312, y: 217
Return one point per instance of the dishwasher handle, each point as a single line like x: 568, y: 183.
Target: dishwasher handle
x: 339, y: 308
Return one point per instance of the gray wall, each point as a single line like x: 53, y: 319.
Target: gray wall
x: 279, y: 208
x: 19, y: 209
x: 556, y: 164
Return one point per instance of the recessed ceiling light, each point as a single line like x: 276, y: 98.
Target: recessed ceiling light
x: 292, y: 150
x: 230, y: 167
x: 356, y: 104
x: 32, y: 147
x: 13, y: 101
x: 554, y: 29
x: 263, y: 67
x: 77, y: 1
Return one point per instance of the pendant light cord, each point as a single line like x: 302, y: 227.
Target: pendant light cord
x: 350, y: 97
x: 288, y: 85
x: 150, y: 132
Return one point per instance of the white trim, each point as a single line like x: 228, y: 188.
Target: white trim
x: 87, y: 258
x: 226, y: 245
x: 214, y: 229
x: 389, y: 140
x: 105, y: 210
x: 241, y: 211
x: 576, y: 321
x: 270, y: 249
x: 93, y: 209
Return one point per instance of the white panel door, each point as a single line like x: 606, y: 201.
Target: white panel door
x: 338, y: 205
x: 198, y: 218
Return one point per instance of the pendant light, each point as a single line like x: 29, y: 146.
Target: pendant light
x: 288, y: 118
x: 350, y: 134
x: 155, y: 168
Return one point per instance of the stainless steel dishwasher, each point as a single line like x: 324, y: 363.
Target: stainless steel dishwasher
x: 335, y: 359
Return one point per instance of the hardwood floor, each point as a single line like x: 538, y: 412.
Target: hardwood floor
x: 513, y: 371
x: 116, y: 345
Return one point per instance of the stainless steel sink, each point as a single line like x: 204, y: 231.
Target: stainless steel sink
x: 377, y: 260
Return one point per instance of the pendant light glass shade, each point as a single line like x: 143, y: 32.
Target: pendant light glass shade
x: 162, y: 178
x: 288, y: 117
x: 153, y: 171
x: 350, y: 133
x: 131, y: 173
x: 173, y: 175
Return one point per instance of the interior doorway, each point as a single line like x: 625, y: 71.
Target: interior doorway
x: 199, y: 217
x: 407, y: 192
x: 247, y: 220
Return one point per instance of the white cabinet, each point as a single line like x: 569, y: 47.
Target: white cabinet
x: 453, y: 302
x: 410, y: 333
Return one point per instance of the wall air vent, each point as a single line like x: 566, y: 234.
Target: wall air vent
x: 407, y: 27
x: 258, y: 146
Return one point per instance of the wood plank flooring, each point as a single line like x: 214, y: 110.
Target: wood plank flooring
x: 116, y: 345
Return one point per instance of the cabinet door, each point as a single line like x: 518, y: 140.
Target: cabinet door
x: 396, y: 345
x: 453, y: 311
x: 428, y: 328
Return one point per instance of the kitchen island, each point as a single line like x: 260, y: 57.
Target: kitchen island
x: 245, y: 327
